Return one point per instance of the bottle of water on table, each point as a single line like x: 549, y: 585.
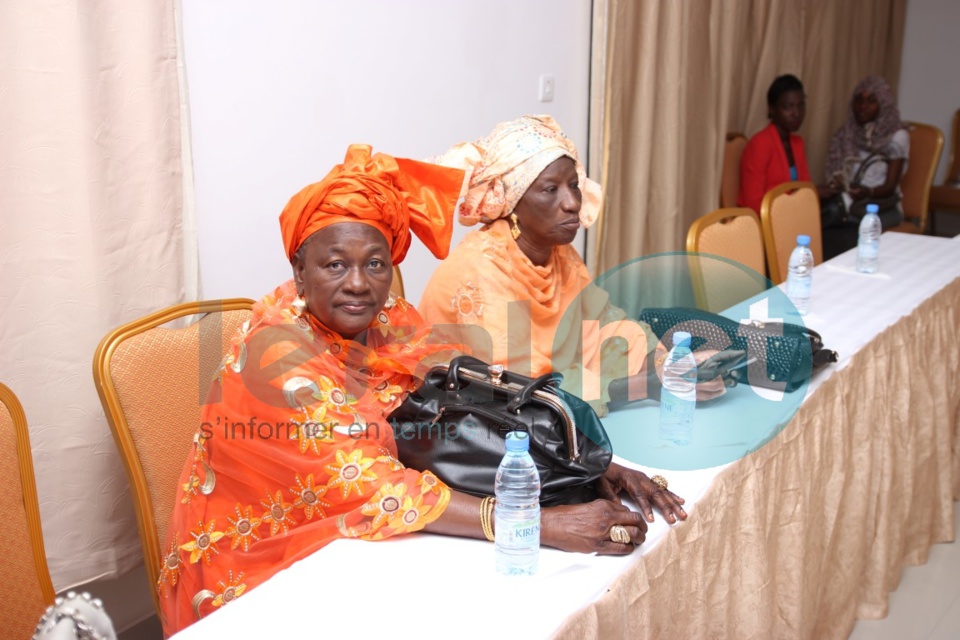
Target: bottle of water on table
x: 800, y: 275
x: 517, y: 511
x: 678, y: 398
x: 868, y: 247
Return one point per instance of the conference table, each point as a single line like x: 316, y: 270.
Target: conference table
x: 798, y: 538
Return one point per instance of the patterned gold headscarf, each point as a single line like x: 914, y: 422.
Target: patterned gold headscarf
x: 506, y: 162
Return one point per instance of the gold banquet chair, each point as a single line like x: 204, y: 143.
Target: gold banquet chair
x: 946, y: 197
x: 788, y: 210
x: 730, y: 174
x: 926, y: 145
x: 733, y: 234
x: 152, y: 382
x: 25, y: 587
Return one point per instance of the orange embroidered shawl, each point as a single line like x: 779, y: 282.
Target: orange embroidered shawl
x: 534, y: 319
x: 294, y: 452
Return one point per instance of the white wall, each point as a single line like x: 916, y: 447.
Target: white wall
x: 278, y: 90
x: 930, y: 72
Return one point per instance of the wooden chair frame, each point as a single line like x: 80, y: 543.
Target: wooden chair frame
x: 946, y: 197
x: 918, y: 224
x: 731, y: 136
x: 110, y: 399
x: 28, y: 486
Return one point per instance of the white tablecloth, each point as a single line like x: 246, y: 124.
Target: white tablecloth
x: 438, y: 587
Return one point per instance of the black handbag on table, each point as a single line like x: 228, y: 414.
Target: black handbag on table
x: 785, y: 354
x: 455, y: 425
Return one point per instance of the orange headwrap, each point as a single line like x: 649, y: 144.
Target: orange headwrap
x: 393, y: 195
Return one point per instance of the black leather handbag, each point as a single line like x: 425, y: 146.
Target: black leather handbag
x: 781, y: 355
x: 455, y: 425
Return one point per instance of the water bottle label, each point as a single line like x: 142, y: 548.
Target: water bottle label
x: 869, y: 250
x: 518, y: 534
x: 798, y: 288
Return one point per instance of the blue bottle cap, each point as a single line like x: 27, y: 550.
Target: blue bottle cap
x: 681, y: 337
x: 873, y: 208
x: 518, y: 441
x: 803, y: 240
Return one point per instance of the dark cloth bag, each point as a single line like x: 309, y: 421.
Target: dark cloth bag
x: 455, y: 425
x: 786, y: 354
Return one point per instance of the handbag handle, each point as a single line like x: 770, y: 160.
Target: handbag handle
x: 466, y: 362
x: 522, y: 396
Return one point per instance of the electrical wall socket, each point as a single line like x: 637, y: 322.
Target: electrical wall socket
x: 546, y: 88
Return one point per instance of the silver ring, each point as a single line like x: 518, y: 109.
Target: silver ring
x: 619, y: 533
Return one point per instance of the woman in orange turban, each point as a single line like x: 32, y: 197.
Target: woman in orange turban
x: 294, y: 450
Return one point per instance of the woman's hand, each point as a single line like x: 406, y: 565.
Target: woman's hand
x: 713, y: 364
x: 643, y: 490
x: 585, y: 528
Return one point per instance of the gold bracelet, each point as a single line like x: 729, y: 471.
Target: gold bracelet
x: 486, y: 516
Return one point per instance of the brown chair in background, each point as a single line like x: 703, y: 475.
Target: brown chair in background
x: 152, y: 382
x: 788, y: 210
x: 926, y: 144
x: 396, y: 287
x: 733, y: 234
x: 946, y: 197
x: 730, y: 174
x: 25, y: 587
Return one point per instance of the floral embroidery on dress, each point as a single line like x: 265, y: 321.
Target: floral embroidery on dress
x: 229, y: 590
x: 204, y: 542
x: 244, y: 529
x: 429, y: 483
x: 277, y: 513
x: 409, y: 515
x: 309, y: 497
x: 386, y: 392
x: 385, y: 503
x: 468, y: 302
x: 170, y: 569
x: 334, y: 396
x: 350, y: 472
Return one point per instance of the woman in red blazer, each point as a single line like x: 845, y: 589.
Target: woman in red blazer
x: 775, y: 154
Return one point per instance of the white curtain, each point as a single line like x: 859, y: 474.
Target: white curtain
x: 91, y: 236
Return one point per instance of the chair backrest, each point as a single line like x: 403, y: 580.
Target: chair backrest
x: 396, y: 287
x: 730, y: 174
x: 926, y: 145
x: 788, y: 210
x: 152, y: 382
x: 953, y: 169
x: 25, y: 587
x: 733, y: 234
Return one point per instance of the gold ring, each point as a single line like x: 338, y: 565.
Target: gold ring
x: 660, y: 481
x: 619, y: 533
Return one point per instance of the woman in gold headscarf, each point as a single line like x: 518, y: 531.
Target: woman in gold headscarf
x: 294, y: 450
x: 518, y: 286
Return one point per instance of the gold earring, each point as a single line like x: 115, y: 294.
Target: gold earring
x: 514, y: 227
x: 299, y: 305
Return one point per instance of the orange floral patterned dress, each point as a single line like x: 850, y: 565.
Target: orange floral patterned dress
x: 293, y: 452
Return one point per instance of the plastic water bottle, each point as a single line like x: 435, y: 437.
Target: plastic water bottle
x: 516, y: 522
x: 679, y: 396
x: 800, y: 275
x: 868, y: 247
